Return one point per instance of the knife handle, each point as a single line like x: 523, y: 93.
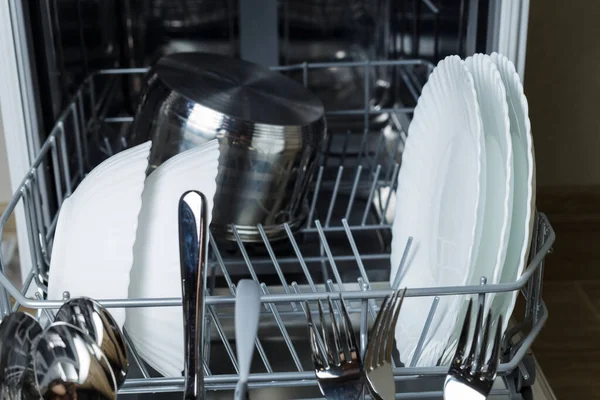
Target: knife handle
x: 193, y: 249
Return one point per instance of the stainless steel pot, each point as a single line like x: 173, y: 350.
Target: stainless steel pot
x: 270, y: 129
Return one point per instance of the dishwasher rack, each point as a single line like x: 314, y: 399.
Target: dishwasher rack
x: 343, y: 247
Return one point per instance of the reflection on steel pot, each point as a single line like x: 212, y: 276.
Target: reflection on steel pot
x: 270, y: 130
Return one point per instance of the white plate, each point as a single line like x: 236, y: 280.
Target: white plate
x: 523, y: 211
x: 438, y: 203
x: 498, y: 182
x: 152, y: 354
x: 92, y: 252
x: 158, y: 331
x: 499, y: 168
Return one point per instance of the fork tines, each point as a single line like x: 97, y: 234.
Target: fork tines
x: 337, y: 362
x: 343, y: 347
x: 379, y: 348
x: 378, y: 356
x: 473, y: 369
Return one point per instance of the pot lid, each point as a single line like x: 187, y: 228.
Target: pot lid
x: 239, y: 89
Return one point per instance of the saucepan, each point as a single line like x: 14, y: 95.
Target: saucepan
x: 270, y: 130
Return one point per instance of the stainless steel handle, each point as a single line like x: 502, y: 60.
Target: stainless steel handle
x: 193, y: 231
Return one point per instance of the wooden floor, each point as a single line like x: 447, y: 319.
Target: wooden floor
x: 568, y: 348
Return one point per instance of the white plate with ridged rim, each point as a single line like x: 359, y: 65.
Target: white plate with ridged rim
x: 92, y: 253
x: 158, y: 331
x: 438, y: 204
x: 498, y: 182
x: 523, y: 211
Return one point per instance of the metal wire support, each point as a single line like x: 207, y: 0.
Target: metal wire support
x: 346, y: 237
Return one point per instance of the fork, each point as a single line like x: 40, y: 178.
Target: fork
x: 378, y: 356
x: 337, y: 362
x: 471, y: 378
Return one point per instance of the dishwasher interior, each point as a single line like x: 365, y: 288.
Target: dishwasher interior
x: 368, y: 62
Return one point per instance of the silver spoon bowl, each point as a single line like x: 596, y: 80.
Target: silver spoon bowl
x: 18, y: 331
x: 88, y: 315
x: 69, y: 365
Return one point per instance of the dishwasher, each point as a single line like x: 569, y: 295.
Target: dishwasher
x: 71, y: 74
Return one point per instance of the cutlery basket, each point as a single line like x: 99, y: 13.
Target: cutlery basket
x: 343, y: 246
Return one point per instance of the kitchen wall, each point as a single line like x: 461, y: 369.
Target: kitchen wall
x: 562, y: 83
x: 5, y: 190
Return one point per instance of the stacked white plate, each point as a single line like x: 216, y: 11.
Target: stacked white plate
x: 117, y: 237
x: 92, y: 253
x: 523, y: 211
x: 465, y: 194
x: 157, y: 332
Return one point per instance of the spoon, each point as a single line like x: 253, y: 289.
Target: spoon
x: 247, y: 313
x: 68, y: 365
x: 193, y: 249
x: 17, y: 333
x: 88, y: 315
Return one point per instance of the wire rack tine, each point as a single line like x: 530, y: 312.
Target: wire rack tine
x: 82, y: 119
x: 371, y: 193
x: 334, y: 268
x: 232, y: 289
x: 424, y: 332
x: 353, y: 192
x: 366, y: 107
x: 345, y: 148
x: 55, y: 163
x: 323, y: 261
x: 278, y: 270
x: 319, y: 340
x: 49, y: 314
x: 37, y: 203
x: 220, y: 261
x: 244, y: 253
x: 24, y: 290
x: 259, y: 347
x: 364, y: 279
x: 107, y: 147
x: 52, y: 228
x: 64, y: 158
x: 481, y: 296
x: 328, y: 142
x: 30, y: 221
x: 540, y: 238
x: 305, y: 74
x: 359, y: 263
x: 379, y: 147
x: 408, y: 83
x: 37, y: 223
x: 400, y: 270
x: 215, y: 319
x: 31, y: 225
x: 390, y: 194
x: 370, y: 302
x: 76, y: 128
x: 283, y: 330
x: 334, y: 195
x: 364, y: 318
x: 303, y: 265
x: 255, y: 277
x: 136, y: 357
x: 313, y: 203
